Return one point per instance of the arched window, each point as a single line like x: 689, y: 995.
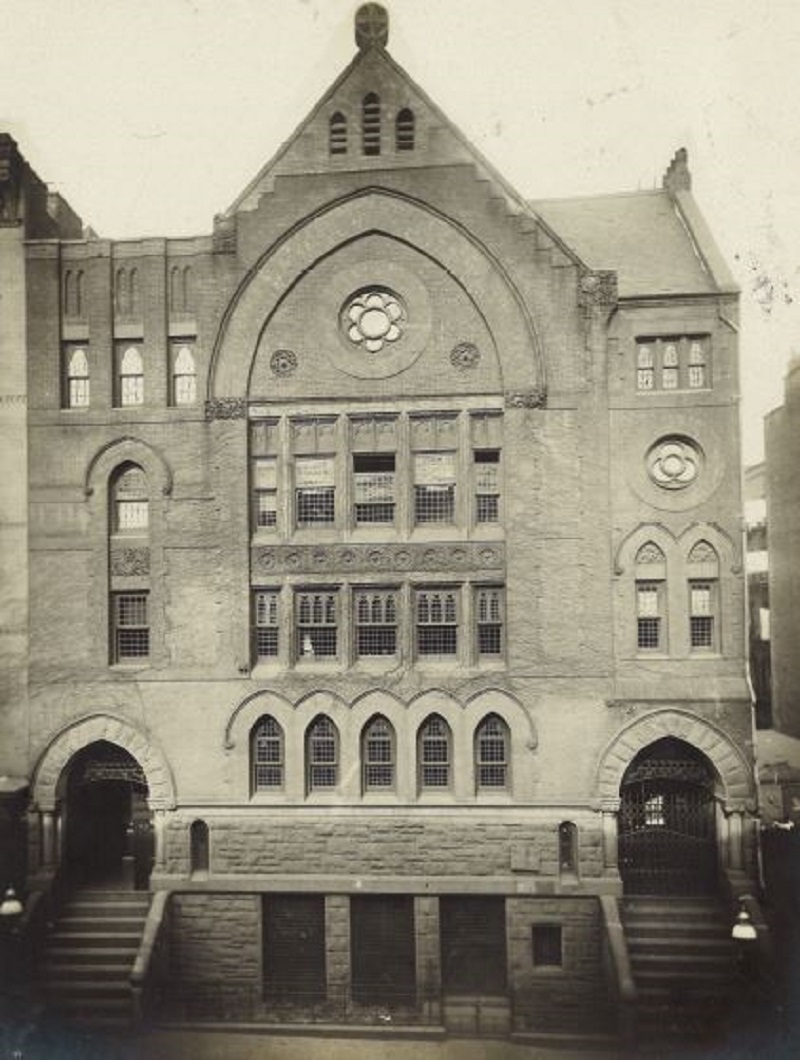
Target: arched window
x: 199, y: 847
x: 378, y: 755
x: 77, y: 378
x: 371, y: 124
x: 404, y: 130
x: 184, y: 376
x: 267, y: 755
x: 434, y: 757
x: 697, y: 365
x: 645, y: 367
x: 567, y: 847
x: 651, y: 574
x: 337, y: 134
x: 121, y: 292
x: 491, y: 754
x: 703, y: 571
x: 670, y: 366
x: 131, y: 377
x: 130, y: 506
x: 322, y: 755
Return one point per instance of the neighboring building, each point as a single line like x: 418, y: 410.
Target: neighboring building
x: 384, y: 577
x: 757, y: 568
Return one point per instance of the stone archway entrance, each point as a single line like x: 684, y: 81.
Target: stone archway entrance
x: 667, y: 822
x: 108, y: 833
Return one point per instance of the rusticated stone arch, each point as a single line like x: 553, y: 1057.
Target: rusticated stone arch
x: 735, y: 776
x: 114, y: 730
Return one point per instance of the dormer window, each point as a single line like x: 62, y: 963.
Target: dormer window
x: 404, y: 130
x: 337, y: 134
x: 371, y: 125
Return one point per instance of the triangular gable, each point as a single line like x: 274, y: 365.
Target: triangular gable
x: 437, y: 141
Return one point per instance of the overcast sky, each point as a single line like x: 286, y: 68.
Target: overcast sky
x: 151, y: 115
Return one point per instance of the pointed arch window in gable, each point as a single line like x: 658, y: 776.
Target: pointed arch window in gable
x: 378, y: 755
x: 78, y: 383
x: 645, y: 367
x: 337, y: 134
x: 405, y: 130
x: 434, y: 753
x: 491, y: 754
x: 322, y: 754
x: 130, y: 505
x: 184, y: 375
x: 371, y: 124
x: 670, y: 366
x: 697, y: 365
x: 73, y: 294
x: 650, y: 598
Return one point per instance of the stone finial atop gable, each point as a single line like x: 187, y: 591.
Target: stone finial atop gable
x: 677, y: 176
x: 372, y: 26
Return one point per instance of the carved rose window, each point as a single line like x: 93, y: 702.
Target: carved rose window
x: 374, y: 318
x: 674, y: 463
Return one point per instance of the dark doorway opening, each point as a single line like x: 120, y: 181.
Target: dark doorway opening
x: 108, y: 827
x: 383, y: 949
x: 473, y: 933
x: 294, y: 948
x: 667, y: 822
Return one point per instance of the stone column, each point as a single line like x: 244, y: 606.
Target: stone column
x: 47, y: 821
x: 337, y: 953
x: 159, y: 840
x: 429, y: 960
x: 610, y: 841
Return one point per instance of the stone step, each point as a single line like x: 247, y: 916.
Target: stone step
x: 652, y: 928
x: 94, y: 939
x: 86, y: 969
x: 706, y: 944
x: 68, y: 955
x: 123, y: 924
x: 73, y: 986
x: 84, y: 907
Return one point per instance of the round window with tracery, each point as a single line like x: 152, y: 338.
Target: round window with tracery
x: 374, y: 318
x: 674, y: 463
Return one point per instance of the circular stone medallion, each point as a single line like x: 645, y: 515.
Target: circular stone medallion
x: 373, y: 318
x: 674, y: 463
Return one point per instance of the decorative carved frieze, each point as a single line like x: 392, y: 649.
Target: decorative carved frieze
x: 130, y: 561
x: 534, y: 397
x: 226, y: 409
x: 598, y: 288
x: 350, y: 558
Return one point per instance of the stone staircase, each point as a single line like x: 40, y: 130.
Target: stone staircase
x: 683, y: 962
x: 85, y: 975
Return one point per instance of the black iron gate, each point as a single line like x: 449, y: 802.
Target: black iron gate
x: 667, y: 828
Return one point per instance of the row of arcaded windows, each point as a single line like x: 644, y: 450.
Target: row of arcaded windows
x: 701, y: 594
x: 127, y: 292
x: 378, y: 755
x: 128, y: 386
x: 371, y: 130
x: 674, y: 362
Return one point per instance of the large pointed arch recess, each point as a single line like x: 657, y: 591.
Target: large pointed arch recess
x: 435, y: 235
x: 74, y: 738
x: 729, y: 762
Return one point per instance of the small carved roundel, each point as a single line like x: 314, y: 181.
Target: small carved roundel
x: 283, y: 362
x: 674, y: 463
x: 465, y: 355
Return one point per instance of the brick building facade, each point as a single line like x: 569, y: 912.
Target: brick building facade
x: 376, y: 571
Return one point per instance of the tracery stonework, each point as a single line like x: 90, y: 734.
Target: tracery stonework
x: 674, y: 463
x: 302, y: 559
x: 533, y: 398
x: 226, y: 409
x: 130, y: 561
x: 598, y: 288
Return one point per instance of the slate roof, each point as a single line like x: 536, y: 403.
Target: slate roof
x: 646, y: 237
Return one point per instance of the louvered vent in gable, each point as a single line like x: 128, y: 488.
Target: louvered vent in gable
x: 404, y: 130
x: 371, y: 125
x: 337, y: 134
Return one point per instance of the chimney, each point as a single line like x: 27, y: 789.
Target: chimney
x: 678, y: 177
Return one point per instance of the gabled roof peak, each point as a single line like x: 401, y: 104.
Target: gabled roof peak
x: 372, y: 26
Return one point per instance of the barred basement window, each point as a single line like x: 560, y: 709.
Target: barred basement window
x: 404, y: 130
x: 433, y: 753
x: 376, y: 622
x: 314, y: 491
x: 130, y: 383
x: 322, y: 754
x: 701, y: 616
x: 267, y: 625
x: 373, y: 488
x: 267, y: 755
x: 378, y: 755
x: 265, y: 493
x: 78, y: 389
x: 487, y: 485
x: 489, y: 620
x: 130, y: 505
x: 184, y: 376
x: 131, y: 631
x: 316, y: 625
x: 649, y: 605
x: 547, y: 945
x: 371, y: 125
x: 434, y: 487
x: 437, y: 621
x: 491, y: 754
x: 337, y: 134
